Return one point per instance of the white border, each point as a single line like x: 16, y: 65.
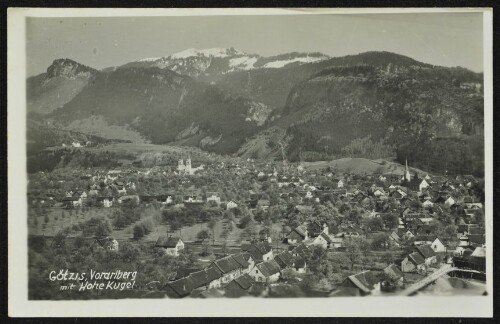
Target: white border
x: 18, y: 304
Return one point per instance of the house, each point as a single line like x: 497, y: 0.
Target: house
x: 179, y: 288
x: 105, y: 201
x: 260, y: 251
x: 438, y: 246
x: 366, y: 282
x: 208, y: 278
x: 228, y: 267
x: 337, y: 242
x: 315, y: 228
x: 413, y: 262
x: 263, y: 204
x: 244, y: 260
x: 394, y: 273
x: 107, y: 243
x: 70, y: 202
x: 340, y: 184
x: 450, y: 201
x: 239, y: 286
x: 427, y: 253
x: 172, y: 245
x: 476, y: 240
x: 394, y: 239
x: 300, y: 250
x: 427, y: 204
x: 268, y: 271
x: 298, y: 235
x: 213, y: 197
x: 300, y: 264
x: 285, y: 260
x: 423, y: 239
x: 322, y: 240
x: 231, y: 205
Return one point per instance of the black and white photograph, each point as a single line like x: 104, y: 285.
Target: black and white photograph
x: 244, y: 155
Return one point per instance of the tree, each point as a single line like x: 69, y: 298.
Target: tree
x: 211, y: 224
x: 138, y: 231
x: 375, y: 224
x: 380, y: 240
x: 202, y: 235
x: 352, y: 250
x: 391, y: 221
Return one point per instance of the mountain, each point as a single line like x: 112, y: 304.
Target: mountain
x: 305, y: 105
x: 63, y: 80
x: 209, y: 63
x: 163, y: 107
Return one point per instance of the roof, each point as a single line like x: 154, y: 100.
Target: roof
x: 227, y: 264
x: 479, y: 252
x: 204, y: 277
x: 243, y: 282
x: 326, y: 237
x: 300, y: 230
x: 426, y: 251
x: 212, y: 293
x: 167, y: 242
x: 365, y: 280
x: 269, y: 268
x: 477, y: 238
x: 416, y: 258
x: 240, y: 258
x: 284, y: 259
x: 301, y: 250
x: 393, y: 272
x: 181, y: 287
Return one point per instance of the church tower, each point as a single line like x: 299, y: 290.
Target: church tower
x: 188, y: 165
x: 407, y: 176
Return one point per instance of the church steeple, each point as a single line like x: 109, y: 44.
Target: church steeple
x: 407, y: 175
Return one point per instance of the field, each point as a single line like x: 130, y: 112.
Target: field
x: 362, y: 166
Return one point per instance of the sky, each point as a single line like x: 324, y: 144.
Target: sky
x: 447, y: 39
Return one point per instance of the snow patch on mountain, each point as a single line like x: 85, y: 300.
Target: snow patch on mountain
x: 242, y: 63
x: 304, y: 59
x: 214, y: 52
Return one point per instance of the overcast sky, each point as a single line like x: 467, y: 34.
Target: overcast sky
x: 448, y: 39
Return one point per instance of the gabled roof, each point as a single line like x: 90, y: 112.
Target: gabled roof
x: 204, y: 277
x: 365, y: 280
x: 284, y: 259
x: 244, y: 281
x: 167, y: 241
x: 301, y: 250
x: 393, y: 272
x: 426, y: 251
x: 477, y: 238
x: 269, y: 268
x: 326, y: 237
x: 416, y: 258
x: 300, y: 230
x: 181, y: 287
x: 227, y: 264
x: 240, y: 259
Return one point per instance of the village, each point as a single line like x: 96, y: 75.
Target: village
x: 241, y: 228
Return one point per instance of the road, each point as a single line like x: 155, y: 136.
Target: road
x: 427, y: 280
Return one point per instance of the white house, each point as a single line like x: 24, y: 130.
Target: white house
x: 172, y: 245
x: 449, y: 202
x: 427, y: 204
x: 215, y: 198
x: 322, y: 240
x: 231, y: 205
x: 438, y: 246
x: 340, y: 184
x: 268, y: 272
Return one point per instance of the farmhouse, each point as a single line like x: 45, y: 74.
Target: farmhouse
x: 172, y: 245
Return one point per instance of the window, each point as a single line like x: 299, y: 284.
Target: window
x: 256, y: 271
